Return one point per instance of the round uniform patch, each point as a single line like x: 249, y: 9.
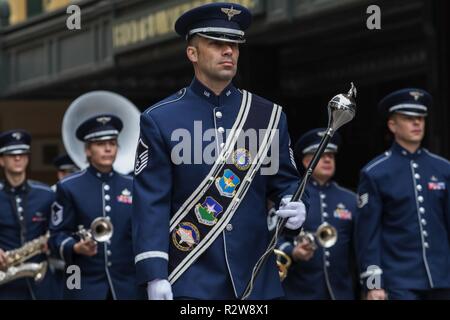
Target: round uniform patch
x: 185, y: 236
x: 241, y: 159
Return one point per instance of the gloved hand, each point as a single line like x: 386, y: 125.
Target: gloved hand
x: 159, y: 289
x: 295, y: 212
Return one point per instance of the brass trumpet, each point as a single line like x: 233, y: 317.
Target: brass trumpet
x: 101, y: 230
x: 325, y: 236
x: 283, y: 263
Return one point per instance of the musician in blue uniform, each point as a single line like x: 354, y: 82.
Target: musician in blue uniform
x: 403, y: 225
x: 24, y: 214
x: 107, y: 268
x: 64, y: 166
x: 319, y: 272
x: 199, y: 207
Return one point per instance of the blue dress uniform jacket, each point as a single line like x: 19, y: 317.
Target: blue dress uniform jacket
x: 328, y: 274
x: 24, y: 216
x: 161, y: 187
x: 403, y: 224
x: 82, y: 197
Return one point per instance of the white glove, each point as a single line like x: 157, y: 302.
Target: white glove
x: 159, y: 290
x: 295, y: 212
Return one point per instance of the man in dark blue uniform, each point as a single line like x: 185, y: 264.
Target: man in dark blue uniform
x: 403, y: 224
x: 199, y: 207
x: 107, y: 269
x: 64, y: 166
x: 24, y: 214
x: 318, y: 272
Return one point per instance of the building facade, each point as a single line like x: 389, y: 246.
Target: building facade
x: 299, y: 53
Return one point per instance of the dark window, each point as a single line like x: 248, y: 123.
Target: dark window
x: 34, y: 7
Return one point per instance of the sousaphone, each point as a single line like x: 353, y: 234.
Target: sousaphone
x: 97, y: 102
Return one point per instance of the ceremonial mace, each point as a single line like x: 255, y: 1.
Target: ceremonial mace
x: 341, y: 110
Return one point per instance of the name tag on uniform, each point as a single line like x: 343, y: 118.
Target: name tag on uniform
x: 436, y: 185
x: 125, y: 197
x: 38, y: 217
x: 342, y: 213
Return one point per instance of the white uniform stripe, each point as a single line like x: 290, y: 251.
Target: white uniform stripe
x: 61, y: 247
x: 377, y: 162
x: 408, y: 106
x: 371, y: 272
x: 167, y: 102
x: 424, y: 255
x: 284, y: 245
x: 151, y: 254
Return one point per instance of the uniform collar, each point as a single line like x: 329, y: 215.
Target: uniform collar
x: 23, y: 188
x: 205, y: 93
x: 398, y: 149
x: 100, y: 175
x: 317, y: 185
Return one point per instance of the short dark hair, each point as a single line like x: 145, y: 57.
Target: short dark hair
x: 192, y: 40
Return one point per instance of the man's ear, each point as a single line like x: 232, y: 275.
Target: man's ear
x: 87, y: 150
x: 306, y: 159
x: 391, y: 123
x: 192, y: 53
x: 2, y: 162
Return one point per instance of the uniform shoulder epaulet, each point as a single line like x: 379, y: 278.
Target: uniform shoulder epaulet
x: 39, y: 185
x: 171, y: 99
x: 263, y: 101
x: 435, y: 156
x: 126, y: 176
x: 72, y: 176
x: 378, y: 160
x: 350, y: 192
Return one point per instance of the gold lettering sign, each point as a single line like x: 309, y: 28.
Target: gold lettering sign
x: 157, y: 24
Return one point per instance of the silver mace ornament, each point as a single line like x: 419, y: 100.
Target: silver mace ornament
x: 341, y: 110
